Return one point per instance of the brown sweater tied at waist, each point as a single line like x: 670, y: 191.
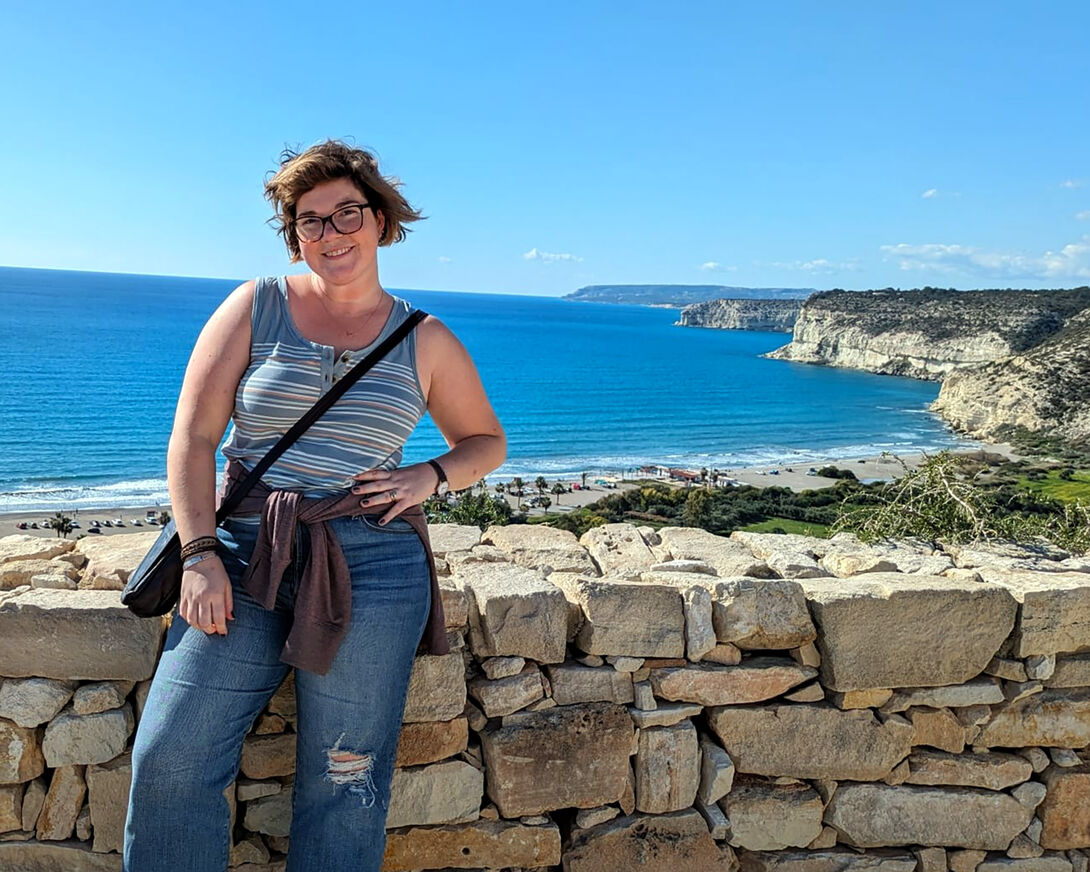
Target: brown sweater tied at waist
x: 323, y: 602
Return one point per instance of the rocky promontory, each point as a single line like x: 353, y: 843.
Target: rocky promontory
x: 677, y: 296
x: 926, y: 333
x: 1045, y: 390
x: 777, y: 316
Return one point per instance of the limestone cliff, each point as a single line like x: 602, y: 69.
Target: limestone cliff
x: 772, y: 315
x: 1046, y: 390
x: 926, y: 333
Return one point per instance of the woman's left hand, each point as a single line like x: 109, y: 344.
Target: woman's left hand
x: 396, y: 488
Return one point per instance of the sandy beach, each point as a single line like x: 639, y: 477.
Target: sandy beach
x: 792, y: 476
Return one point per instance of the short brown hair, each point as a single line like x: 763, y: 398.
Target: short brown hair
x: 301, y: 171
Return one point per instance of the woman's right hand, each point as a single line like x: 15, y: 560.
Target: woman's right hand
x: 206, y: 601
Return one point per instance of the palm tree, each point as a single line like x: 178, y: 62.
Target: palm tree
x: 545, y: 503
x: 541, y: 484
x: 62, y: 524
x: 559, y: 489
x: 516, y: 483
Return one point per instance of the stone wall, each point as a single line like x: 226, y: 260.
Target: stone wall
x: 667, y: 700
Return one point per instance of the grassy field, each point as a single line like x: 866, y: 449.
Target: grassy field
x: 784, y: 525
x: 1078, y: 488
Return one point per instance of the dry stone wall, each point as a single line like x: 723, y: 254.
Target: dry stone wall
x: 637, y: 699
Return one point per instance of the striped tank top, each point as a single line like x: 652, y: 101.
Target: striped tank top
x: 365, y: 429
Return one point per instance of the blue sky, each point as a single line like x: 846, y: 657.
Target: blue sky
x: 796, y: 144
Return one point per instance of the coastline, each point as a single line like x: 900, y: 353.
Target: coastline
x: 793, y: 476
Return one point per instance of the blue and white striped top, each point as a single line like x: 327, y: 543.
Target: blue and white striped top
x: 365, y: 429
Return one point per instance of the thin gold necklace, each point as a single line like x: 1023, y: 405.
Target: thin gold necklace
x: 340, y: 318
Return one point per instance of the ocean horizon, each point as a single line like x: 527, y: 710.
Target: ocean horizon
x: 92, y: 364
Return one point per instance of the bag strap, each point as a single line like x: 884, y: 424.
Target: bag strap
x: 234, y: 499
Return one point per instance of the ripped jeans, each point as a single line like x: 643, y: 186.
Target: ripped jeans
x: 209, y: 689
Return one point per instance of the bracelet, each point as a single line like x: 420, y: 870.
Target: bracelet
x: 196, y: 546
x: 190, y: 562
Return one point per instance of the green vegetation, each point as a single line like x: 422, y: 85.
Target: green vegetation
x: 1064, y: 483
x: 1037, y: 445
x: 62, y: 524
x: 786, y: 525
x: 480, y: 509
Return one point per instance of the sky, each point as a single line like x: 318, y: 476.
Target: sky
x: 552, y: 146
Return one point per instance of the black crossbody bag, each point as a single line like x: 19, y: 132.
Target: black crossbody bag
x: 155, y: 585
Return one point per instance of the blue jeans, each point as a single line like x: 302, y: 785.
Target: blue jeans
x: 209, y: 689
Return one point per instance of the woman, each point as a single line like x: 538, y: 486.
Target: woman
x: 330, y: 571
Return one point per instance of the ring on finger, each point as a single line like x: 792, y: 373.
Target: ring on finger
x: 393, y: 493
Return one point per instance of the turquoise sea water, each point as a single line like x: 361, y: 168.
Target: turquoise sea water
x: 91, y: 364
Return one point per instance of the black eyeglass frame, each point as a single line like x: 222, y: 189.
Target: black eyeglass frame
x: 330, y: 219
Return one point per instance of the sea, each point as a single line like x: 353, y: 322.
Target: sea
x: 91, y: 365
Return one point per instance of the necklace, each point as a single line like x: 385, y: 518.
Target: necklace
x: 341, y: 320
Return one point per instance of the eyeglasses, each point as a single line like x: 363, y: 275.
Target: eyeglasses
x: 347, y: 219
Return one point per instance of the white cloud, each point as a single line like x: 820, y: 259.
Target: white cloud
x: 929, y: 193
x: 1071, y: 261
x: 716, y: 266
x: 817, y: 266
x: 1083, y: 215
x: 444, y: 259
x: 1071, y: 183
x: 550, y: 257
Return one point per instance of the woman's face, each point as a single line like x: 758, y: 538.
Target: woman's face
x: 339, y: 258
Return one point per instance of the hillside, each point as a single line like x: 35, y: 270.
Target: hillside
x: 676, y: 296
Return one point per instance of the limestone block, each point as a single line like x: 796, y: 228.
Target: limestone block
x: 643, y: 696
x: 455, y: 605
x: 22, y: 546
x: 1037, y: 758
x: 67, y: 634
x: 1071, y: 671
x: 506, y: 695
x: 111, y: 559
x: 979, y: 691
x: 574, y: 684
x: 33, y: 800
x: 930, y: 859
x: 993, y: 771
x: 245, y: 789
x: 437, y: 688
x: 835, y: 860
x: 100, y: 696
x: 480, y: 844
x: 1011, y: 670
x: 1008, y: 554
x: 617, y: 546
x: 1055, y: 610
x: 1014, y: 691
x: 877, y: 815
x: 33, y: 701
x: 1047, y: 863
x: 938, y: 728
x: 1065, y: 812
x: 827, y: 839
x: 20, y: 753
x: 728, y: 557
x: 48, y: 857
x: 1064, y: 757
x: 514, y: 612
x: 845, y: 563
x: 964, y: 860
x: 447, y: 792
x: 1040, y: 666
x: 699, y: 627
x: 718, y: 825
x: 71, y: 738
x: 1058, y: 718
x: 678, y: 841
x: 453, y: 537
x: 698, y: 566
x: 419, y: 744
x: 62, y: 804
x: 50, y: 573
x: 768, y: 817
x: 755, y: 614
x: 667, y: 768
x: 108, y: 796
x: 890, y: 630
x: 502, y: 667
x: 83, y: 824
x: 763, y: 544
x: 858, y: 699
x: 544, y: 548
x: 716, y: 772
x: 664, y: 715
x: 530, y: 763
x: 811, y: 692
x: 270, y: 815
x: 627, y: 618
x: 591, y: 817
x: 268, y: 756
x: 1031, y: 794
x: 726, y: 654
x: 1023, y: 848
x: 249, y: 850
x: 11, y: 807
x: 759, y: 678
x: 781, y: 740
x: 795, y: 564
